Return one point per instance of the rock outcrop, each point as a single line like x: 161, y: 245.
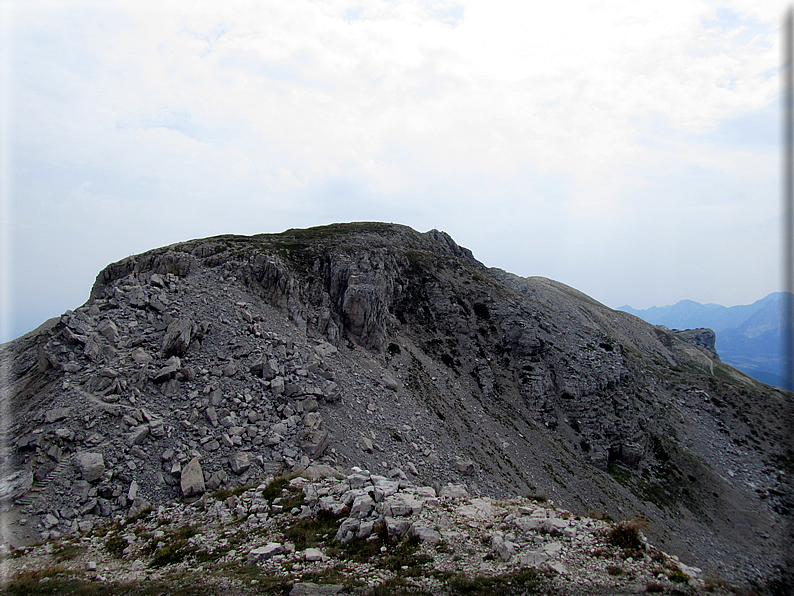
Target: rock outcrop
x: 701, y: 338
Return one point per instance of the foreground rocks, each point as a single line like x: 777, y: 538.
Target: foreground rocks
x: 325, y: 535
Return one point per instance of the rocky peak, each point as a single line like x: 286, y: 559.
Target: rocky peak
x: 459, y: 251
x: 213, y: 364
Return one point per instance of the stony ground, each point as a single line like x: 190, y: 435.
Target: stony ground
x: 327, y: 533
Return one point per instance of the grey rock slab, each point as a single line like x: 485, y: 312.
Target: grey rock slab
x: 192, y: 479
x: 314, y: 441
x: 332, y: 506
x: 366, y: 529
x: 50, y: 521
x: 263, y: 553
x: 57, y: 414
x: 313, y: 554
x: 332, y: 393
x: 502, y: 548
x: 552, y: 548
x: 176, y: 469
x: 390, y: 382
x: 137, y: 435
x: 137, y: 297
x: 88, y: 507
x: 466, y: 467
x: 559, y: 568
x: 15, y: 485
x: 168, y: 372
x: 139, y: 505
x: 265, y: 368
x: 454, y: 491
x: 425, y: 492
x: 317, y: 471
x: 157, y: 428
x: 178, y: 336
x: 313, y: 420
x: 362, y: 506
x: 529, y: 524
x: 356, y: 481
x: 533, y: 558
x: 109, y: 330
x: 424, y: 534
x: 240, y: 462
x: 140, y: 356
x: 347, y: 530
x: 90, y: 464
x: 477, y: 509
x: 324, y: 350
x: 397, y: 528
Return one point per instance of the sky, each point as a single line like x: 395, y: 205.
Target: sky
x: 628, y: 149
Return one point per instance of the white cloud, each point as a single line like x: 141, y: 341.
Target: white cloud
x: 514, y: 125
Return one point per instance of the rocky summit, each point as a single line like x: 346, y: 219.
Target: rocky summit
x: 362, y: 408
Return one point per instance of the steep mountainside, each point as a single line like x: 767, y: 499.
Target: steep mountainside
x: 220, y: 361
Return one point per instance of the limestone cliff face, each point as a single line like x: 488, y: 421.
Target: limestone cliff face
x: 701, y: 338
x: 225, y: 359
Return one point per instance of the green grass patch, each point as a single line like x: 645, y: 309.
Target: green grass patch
x: 176, y: 547
x: 142, y: 515
x: 397, y: 586
x: 274, y: 487
x: 294, y: 498
x: 311, y: 533
x: 66, y: 551
x: 403, y: 559
x: 331, y: 575
x: 619, y: 473
x: 679, y: 577
x: 168, y: 555
x: 524, y: 581
x: 627, y: 535
x: 222, y: 494
x: 115, y: 545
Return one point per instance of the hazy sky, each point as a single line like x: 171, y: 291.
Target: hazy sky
x: 629, y: 149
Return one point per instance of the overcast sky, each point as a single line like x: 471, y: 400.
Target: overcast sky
x: 628, y: 149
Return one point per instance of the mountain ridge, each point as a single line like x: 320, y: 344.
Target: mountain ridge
x: 372, y: 344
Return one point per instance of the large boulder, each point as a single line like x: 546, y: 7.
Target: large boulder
x: 192, y: 479
x: 314, y: 441
x: 177, y: 337
x: 90, y: 464
x: 240, y: 462
x: 15, y: 485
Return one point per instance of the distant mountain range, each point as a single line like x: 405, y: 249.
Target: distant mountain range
x: 749, y: 337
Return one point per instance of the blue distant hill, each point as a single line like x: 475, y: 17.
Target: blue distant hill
x: 749, y: 337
